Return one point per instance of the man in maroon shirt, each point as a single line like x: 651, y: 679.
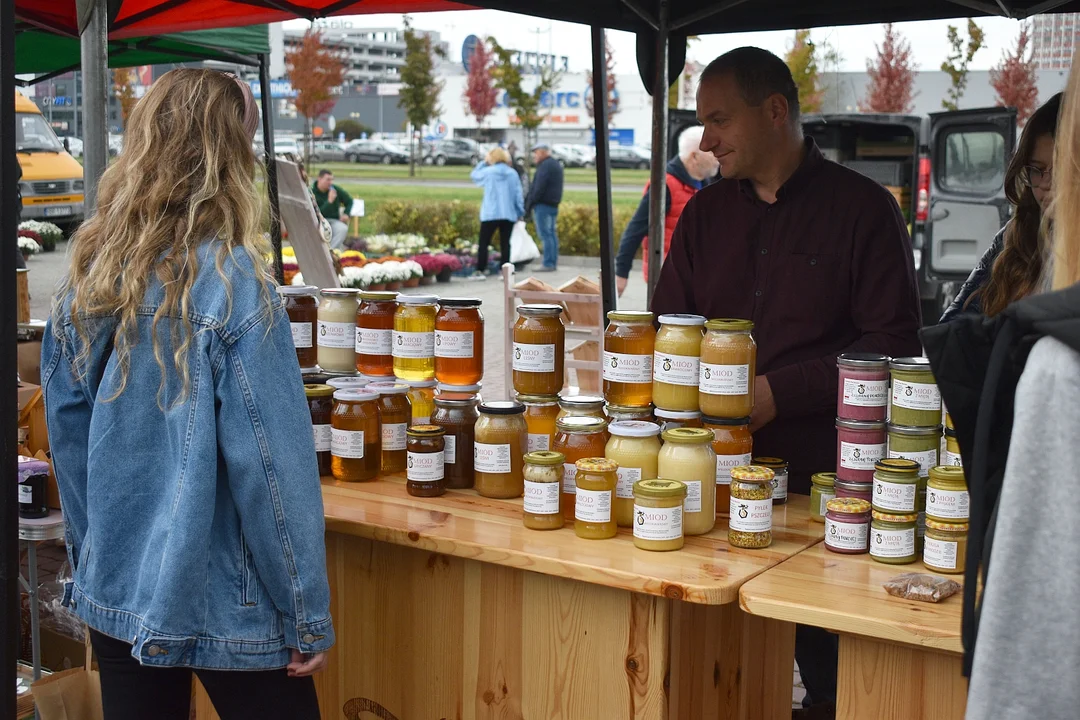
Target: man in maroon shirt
x: 816, y: 255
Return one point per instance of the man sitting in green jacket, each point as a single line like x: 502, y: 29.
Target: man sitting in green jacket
x: 334, y: 204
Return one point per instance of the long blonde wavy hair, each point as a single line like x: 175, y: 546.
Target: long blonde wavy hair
x: 186, y: 175
x: 1065, y: 208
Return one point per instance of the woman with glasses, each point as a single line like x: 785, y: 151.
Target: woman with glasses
x: 1015, y: 265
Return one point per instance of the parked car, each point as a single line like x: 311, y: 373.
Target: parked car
x: 116, y: 144
x: 628, y: 156
x: 375, y: 151
x: 327, y: 151
x: 458, y: 151
x: 72, y: 144
x: 283, y: 146
x: 569, y: 156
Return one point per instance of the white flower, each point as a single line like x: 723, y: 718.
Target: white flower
x: 352, y: 277
x: 297, y: 279
x: 415, y: 271
x: 28, y: 245
x: 44, y: 229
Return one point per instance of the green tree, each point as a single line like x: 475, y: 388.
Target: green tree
x: 419, y: 94
x: 527, y: 107
x: 801, y: 59
x: 956, y: 65
x: 353, y: 129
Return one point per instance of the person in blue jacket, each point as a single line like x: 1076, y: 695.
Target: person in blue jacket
x: 502, y: 206
x: 545, y: 194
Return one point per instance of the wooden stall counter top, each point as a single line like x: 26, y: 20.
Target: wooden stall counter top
x: 463, y: 524
x: 844, y: 593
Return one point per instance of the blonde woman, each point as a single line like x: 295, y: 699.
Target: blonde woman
x: 503, y: 204
x: 181, y: 437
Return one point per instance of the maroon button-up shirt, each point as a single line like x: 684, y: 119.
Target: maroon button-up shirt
x: 826, y: 269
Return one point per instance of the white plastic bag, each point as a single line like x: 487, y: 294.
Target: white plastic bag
x: 522, y: 246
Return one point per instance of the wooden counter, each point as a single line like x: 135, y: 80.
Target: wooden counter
x: 898, y: 658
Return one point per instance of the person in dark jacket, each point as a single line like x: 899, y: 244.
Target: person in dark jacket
x: 334, y: 204
x: 545, y: 194
x: 686, y: 174
x: 1012, y: 267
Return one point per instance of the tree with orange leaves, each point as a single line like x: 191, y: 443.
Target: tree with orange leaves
x: 124, y: 84
x: 1014, y: 78
x: 314, y: 70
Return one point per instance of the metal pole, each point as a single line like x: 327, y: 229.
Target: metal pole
x: 271, y: 163
x: 657, y: 181
x: 95, y: 68
x: 603, y: 170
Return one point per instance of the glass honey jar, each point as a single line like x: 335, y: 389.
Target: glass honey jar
x: 459, y: 341
x: 539, y: 350
x: 576, y: 438
x: 677, y: 362
x: 594, y: 498
x: 355, y: 438
x: 541, y: 411
x: 375, y: 333
x: 499, y: 450
x: 394, y: 419
x: 728, y: 364
x: 302, y: 307
x: 414, y: 337
x: 541, y: 508
x: 337, y: 330
x: 628, y: 358
x: 734, y: 448
x: 581, y: 406
x: 458, y: 418
x: 422, y: 400
x: 425, y: 462
x: 320, y: 400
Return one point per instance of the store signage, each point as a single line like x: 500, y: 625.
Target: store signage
x: 552, y: 100
x: 57, y: 101
x: 530, y: 62
x: 278, y: 89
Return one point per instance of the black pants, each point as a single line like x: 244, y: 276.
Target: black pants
x: 487, y: 233
x: 130, y: 691
x: 817, y: 652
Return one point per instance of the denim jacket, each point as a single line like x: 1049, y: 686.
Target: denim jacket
x: 195, y: 532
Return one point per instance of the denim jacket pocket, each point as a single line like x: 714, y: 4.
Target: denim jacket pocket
x: 249, y: 580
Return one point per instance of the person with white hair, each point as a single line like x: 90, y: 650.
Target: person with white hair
x: 686, y: 174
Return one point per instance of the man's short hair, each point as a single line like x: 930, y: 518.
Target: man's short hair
x: 759, y: 75
x: 690, y: 140
x: 323, y: 173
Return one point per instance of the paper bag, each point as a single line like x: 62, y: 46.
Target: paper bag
x: 73, y: 694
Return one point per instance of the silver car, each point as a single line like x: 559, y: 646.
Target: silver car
x: 327, y: 151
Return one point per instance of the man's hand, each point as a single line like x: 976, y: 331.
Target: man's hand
x: 620, y: 285
x: 331, y: 195
x: 304, y: 665
x: 764, y: 411
x: 344, y: 217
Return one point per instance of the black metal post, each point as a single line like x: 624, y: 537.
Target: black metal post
x: 657, y: 181
x: 603, y: 170
x: 271, y: 163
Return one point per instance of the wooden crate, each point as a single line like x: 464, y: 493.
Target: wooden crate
x: 22, y: 289
x: 587, y: 381
x: 582, y: 314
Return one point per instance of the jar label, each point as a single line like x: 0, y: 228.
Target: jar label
x: 393, y: 436
x: 926, y: 459
x: 26, y: 495
x: 337, y: 335
x: 622, y: 368
x: 569, y: 478
x: 301, y: 334
x: 651, y: 523
x: 916, y: 396
x: 894, y: 496
x: 347, y: 443
x: 866, y: 393
x: 534, y: 358
x: 953, y: 459
x: 593, y: 506
x: 454, y: 344
x: 779, y: 486
x: 541, y: 498
x: 750, y: 515
x: 724, y: 463
x: 855, y: 456
x: 374, y: 342
x: 724, y: 379
x: 323, y: 437
x: 425, y: 466
x: 539, y: 441
x: 421, y: 419
x: 693, y: 496
x: 892, y: 543
x: 414, y: 345
x: 847, y: 536
x: 948, y: 504
x: 488, y: 458
x: 825, y: 498
x: 627, y: 478
x: 676, y: 369
x: 939, y: 553
x: 450, y: 449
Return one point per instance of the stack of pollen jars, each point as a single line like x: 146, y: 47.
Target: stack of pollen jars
x: 862, y: 404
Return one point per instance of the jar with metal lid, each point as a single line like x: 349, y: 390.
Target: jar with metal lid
x: 459, y: 341
x: 634, y: 446
x: 862, y: 491
x: 314, y: 376
x: 847, y: 526
x: 337, y: 330
x: 892, y: 538
x: 677, y: 362
x: 355, y: 437
x: 859, y: 446
x: 458, y: 418
x: 750, y: 507
x: 594, y: 498
x: 862, y: 391
x: 916, y: 401
x: 628, y: 358
x: 952, y: 450
x: 658, y: 509
x: 395, y: 416
x: 541, y: 412
x: 687, y: 456
x: 577, y: 438
x: 671, y: 419
x: 947, y: 498
x: 945, y: 547
x: 541, y: 508
x: 822, y: 490
x: 581, y: 406
x: 424, y: 476
x: 375, y: 333
x: 896, y: 482
x: 728, y: 364
x: 349, y: 382
x: 320, y: 400
x: 302, y: 307
x: 414, y: 337
x: 539, y: 350
x: 458, y: 392
x: 618, y: 413
x: 923, y: 445
x: 499, y: 450
x: 779, y: 467
x: 421, y: 399
x: 733, y: 446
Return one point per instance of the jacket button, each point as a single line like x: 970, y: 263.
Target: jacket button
x: 308, y: 638
x: 813, y: 261
x: 764, y: 251
x: 153, y: 651
x: 757, y: 293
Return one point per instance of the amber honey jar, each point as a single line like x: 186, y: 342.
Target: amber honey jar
x: 539, y: 350
x: 541, y: 411
x: 628, y: 358
x: 394, y: 418
x: 414, y: 337
x: 459, y: 341
x: 457, y: 416
x: 375, y: 333
x: 320, y: 400
x: 577, y: 438
x: 424, y: 473
x: 302, y: 307
x: 355, y: 438
x: 594, y: 518
x: 499, y: 450
x: 728, y: 364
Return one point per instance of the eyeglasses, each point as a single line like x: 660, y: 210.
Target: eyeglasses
x: 1035, y: 176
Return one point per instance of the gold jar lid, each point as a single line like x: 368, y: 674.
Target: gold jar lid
x: 889, y: 517
x: 898, y: 466
x: 637, y: 317
x: 824, y: 479
x: 660, y: 488
x: 752, y: 473
x: 730, y: 325
x: 540, y: 310
x: 423, y: 431
x: 581, y: 424
x: 545, y: 457
x: 378, y: 295
x: 948, y: 475
x: 773, y: 463
x: 946, y: 527
x: 318, y: 391
x: 597, y: 465
x: 541, y: 400
x: 630, y: 409
x: 689, y: 435
x: 848, y: 506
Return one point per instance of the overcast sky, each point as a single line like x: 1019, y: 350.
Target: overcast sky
x: 856, y: 43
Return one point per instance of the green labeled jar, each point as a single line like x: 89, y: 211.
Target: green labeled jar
x: 892, y: 538
x: 947, y: 495
x: 916, y: 401
x: 946, y: 547
x: 921, y: 444
x: 822, y: 490
x: 952, y: 450
x: 896, y: 484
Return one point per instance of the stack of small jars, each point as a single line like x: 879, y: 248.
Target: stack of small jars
x: 862, y: 404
